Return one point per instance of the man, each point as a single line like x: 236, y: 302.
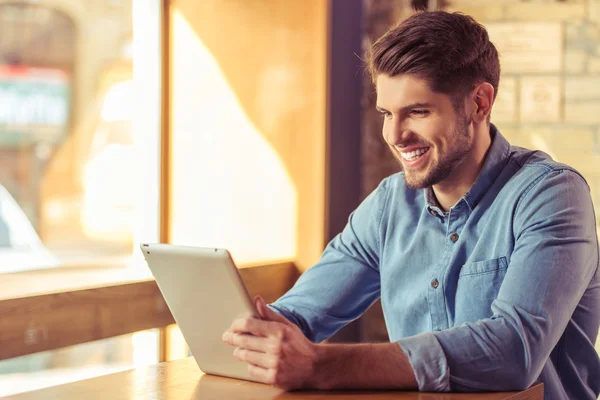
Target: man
x: 485, y: 256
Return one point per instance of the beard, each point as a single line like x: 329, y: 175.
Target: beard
x: 440, y: 169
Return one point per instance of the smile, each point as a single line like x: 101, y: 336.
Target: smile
x: 414, y: 155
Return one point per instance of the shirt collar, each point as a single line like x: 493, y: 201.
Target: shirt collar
x: 494, y: 163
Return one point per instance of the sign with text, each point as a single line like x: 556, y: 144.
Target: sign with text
x: 34, y: 105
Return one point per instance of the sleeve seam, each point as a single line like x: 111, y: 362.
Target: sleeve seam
x: 532, y: 185
x: 380, y: 218
x: 542, y: 176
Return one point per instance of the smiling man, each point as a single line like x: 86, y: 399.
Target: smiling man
x: 485, y: 255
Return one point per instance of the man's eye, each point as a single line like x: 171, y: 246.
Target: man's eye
x: 420, y: 113
x: 385, y: 114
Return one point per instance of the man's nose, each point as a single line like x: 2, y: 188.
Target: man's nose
x: 397, y: 133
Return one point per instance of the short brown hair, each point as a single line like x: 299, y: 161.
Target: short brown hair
x: 451, y: 51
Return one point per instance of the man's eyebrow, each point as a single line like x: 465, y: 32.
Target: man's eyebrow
x: 408, y: 107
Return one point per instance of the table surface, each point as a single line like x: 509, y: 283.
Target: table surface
x: 181, y: 379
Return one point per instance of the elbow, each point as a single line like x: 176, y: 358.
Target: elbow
x: 529, y: 378
x: 523, y: 355
x: 520, y: 371
x: 519, y: 368
x: 519, y: 378
x: 515, y: 366
x: 507, y: 377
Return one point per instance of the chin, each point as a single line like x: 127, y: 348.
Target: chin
x: 416, y: 183
x: 424, y: 179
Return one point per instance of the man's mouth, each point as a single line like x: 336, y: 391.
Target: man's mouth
x: 414, y: 155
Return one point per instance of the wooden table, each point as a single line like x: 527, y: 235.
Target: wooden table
x: 182, y: 379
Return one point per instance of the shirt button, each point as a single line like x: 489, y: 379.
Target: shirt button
x: 435, y: 284
x: 454, y: 237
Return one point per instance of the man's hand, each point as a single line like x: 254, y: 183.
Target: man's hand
x: 278, y: 354
x: 276, y: 351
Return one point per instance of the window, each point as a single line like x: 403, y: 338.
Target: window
x: 80, y: 115
x: 245, y: 168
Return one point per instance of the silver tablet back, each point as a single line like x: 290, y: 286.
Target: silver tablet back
x: 205, y: 293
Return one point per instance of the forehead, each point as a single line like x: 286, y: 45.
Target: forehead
x: 402, y: 90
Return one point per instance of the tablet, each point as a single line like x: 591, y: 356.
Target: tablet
x: 204, y: 291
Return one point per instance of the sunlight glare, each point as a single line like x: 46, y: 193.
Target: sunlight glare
x: 230, y: 189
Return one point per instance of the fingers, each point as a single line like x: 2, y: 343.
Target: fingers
x: 268, y: 314
x: 246, y: 341
x: 258, y: 327
x: 270, y: 376
x: 258, y: 359
x: 261, y: 374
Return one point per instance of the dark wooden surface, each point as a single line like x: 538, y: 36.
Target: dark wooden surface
x: 46, y: 310
x: 182, y: 379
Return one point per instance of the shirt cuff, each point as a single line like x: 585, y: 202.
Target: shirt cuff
x: 290, y: 316
x: 428, y: 361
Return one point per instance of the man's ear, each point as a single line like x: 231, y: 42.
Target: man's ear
x: 483, y: 97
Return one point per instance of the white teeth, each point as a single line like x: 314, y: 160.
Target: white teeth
x: 411, y: 155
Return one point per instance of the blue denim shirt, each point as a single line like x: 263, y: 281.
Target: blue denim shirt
x: 501, y: 292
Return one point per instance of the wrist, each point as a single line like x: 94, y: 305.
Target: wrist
x: 318, y: 379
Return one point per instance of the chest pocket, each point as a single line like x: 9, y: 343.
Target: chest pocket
x: 477, y: 287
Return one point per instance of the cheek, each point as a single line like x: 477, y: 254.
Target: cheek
x: 385, y: 132
x: 439, y: 148
x: 443, y: 143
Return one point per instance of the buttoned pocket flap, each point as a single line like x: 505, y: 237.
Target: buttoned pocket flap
x: 484, y: 267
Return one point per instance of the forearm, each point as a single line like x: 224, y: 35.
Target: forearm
x: 364, y: 366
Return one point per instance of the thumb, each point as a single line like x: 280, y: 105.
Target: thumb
x: 266, y: 313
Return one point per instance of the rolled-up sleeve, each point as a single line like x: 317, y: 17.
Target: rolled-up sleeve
x: 553, y: 261
x: 428, y: 362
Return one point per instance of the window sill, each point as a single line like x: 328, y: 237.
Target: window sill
x: 49, y: 309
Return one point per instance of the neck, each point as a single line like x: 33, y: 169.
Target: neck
x: 451, y: 189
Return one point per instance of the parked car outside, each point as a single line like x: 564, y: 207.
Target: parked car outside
x: 20, y: 246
